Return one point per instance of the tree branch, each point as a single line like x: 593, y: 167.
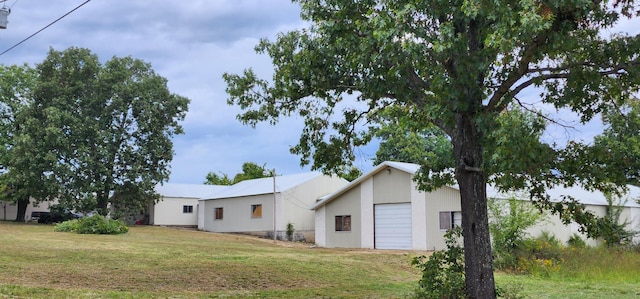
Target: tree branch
x: 521, y: 70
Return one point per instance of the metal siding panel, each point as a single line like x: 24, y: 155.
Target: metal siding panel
x: 393, y: 226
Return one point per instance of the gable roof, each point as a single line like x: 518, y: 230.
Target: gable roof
x: 409, y: 168
x: 187, y: 190
x: 582, y: 195
x: 263, y: 185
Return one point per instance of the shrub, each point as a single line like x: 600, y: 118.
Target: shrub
x: 508, y: 222
x: 611, y: 228
x: 67, y: 226
x: 290, y: 231
x: 443, y: 271
x: 575, y: 241
x: 540, y: 256
x: 95, y: 224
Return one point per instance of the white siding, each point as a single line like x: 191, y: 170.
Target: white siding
x: 418, y: 218
x: 201, y: 214
x: 393, y: 226
x: 366, y: 203
x: 169, y: 211
x: 321, y: 227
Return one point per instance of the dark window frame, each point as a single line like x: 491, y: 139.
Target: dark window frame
x: 447, y: 219
x: 218, y: 213
x: 187, y: 209
x: 343, y: 223
x: 256, y: 208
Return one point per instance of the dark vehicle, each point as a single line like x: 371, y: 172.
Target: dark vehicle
x: 53, y: 217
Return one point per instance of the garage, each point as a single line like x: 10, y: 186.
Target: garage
x: 392, y: 226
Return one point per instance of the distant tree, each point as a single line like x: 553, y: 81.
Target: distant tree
x: 402, y: 139
x: 250, y: 170
x: 619, y: 144
x: 350, y: 173
x: 108, y: 127
x: 213, y: 178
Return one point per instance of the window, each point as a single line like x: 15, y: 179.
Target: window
x: 187, y: 209
x: 343, y: 223
x: 218, y: 212
x: 450, y: 219
x: 256, y: 211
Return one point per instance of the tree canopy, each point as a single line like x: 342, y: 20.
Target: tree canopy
x: 250, y: 170
x: 456, y: 65
x: 100, y: 133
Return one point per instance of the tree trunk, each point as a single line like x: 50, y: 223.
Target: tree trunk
x: 23, y: 203
x: 102, y: 205
x: 473, y: 196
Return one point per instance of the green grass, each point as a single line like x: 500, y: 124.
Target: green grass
x: 152, y: 262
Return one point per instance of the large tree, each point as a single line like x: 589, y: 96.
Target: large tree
x: 108, y: 127
x: 456, y: 65
x: 20, y: 179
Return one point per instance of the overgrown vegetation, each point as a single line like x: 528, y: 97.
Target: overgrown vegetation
x: 443, y: 271
x: 612, y: 228
x: 96, y: 224
x: 515, y: 251
x: 508, y: 223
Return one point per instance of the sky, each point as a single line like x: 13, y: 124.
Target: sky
x: 191, y: 44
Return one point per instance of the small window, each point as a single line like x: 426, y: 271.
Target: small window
x: 343, y: 223
x: 256, y: 211
x: 449, y: 220
x: 187, y: 209
x: 218, y: 212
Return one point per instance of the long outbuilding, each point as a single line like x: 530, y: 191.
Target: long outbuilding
x: 383, y: 209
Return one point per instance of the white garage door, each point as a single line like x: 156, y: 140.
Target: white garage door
x: 392, y: 226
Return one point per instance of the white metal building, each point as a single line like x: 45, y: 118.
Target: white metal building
x: 178, y: 205
x: 383, y: 209
x: 248, y: 206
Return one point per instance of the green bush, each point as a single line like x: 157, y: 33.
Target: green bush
x: 575, y: 241
x: 509, y: 220
x: 540, y: 256
x: 95, y: 224
x: 290, y: 231
x: 443, y: 271
x: 67, y: 226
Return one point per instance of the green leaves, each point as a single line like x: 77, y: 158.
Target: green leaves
x: 98, y: 132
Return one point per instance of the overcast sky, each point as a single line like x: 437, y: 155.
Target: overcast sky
x: 191, y: 43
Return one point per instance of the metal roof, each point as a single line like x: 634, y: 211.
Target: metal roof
x: 582, y: 195
x: 187, y: 190
x: 263, y: 185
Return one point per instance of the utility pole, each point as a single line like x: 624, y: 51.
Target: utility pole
x: 273, y: 173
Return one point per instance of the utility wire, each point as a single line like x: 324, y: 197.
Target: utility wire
x: 45, y: 27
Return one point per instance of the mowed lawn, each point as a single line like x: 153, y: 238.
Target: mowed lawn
x: 155, y: 262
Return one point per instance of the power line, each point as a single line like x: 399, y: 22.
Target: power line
x: 45, y: 27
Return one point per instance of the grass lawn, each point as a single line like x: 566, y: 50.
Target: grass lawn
x: 151, y: 262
